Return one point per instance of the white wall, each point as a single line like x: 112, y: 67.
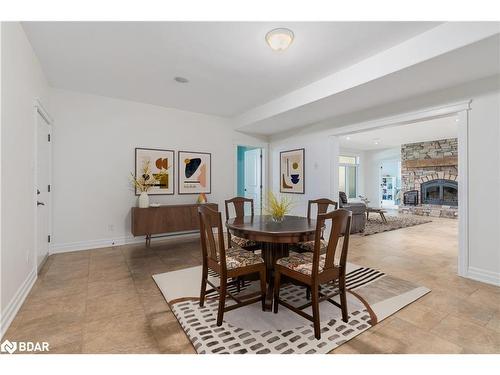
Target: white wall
x: 484, y: 187
x: 93, y: 152
x: 484, y: 162
x: 318, y: 165
x: 22, y: 82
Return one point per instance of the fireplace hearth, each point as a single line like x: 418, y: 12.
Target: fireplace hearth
x: 439, y: 192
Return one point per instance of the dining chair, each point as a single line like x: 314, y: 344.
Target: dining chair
x: 314, y: 269
x: 239, y: 209
x: 227, y: 263
x: 322, y: 207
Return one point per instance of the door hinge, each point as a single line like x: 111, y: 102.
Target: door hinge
x: 48, y: 188
x: 48, y: 137
x: 48, y: 238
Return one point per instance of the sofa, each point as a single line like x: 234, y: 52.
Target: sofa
x: 358, y: 210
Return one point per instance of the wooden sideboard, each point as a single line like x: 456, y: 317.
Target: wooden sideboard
x: 166, y: 219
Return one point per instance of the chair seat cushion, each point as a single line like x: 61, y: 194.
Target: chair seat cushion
x: 301, y: 262
x: 242, y: 242
x: 238, y: 258
x: 309, y: 246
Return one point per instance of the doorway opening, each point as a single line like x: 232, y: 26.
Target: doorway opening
x: 249, y: 175
x: 433, y: 147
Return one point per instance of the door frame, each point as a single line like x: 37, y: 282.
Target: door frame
x: 264, y: 167
x: 461, y: 110
x: 39, y: 109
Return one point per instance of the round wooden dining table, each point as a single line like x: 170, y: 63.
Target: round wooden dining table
x: 275, y: 237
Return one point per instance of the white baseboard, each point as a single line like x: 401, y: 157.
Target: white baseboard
x: 15, y: 304
x: 484, y: 276
x: 97, y: 244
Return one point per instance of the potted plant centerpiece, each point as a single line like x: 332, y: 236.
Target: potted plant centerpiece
x: 278, y: 207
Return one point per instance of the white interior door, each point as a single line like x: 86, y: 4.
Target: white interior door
x: 43, y: 200
x: 253, y: 177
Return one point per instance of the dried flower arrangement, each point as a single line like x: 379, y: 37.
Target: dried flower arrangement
x: 278, y: 207
x: 146, y: 179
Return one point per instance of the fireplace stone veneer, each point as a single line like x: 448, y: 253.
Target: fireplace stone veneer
x: 431, y: 168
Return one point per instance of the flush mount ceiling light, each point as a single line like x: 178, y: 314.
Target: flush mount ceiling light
x: 376, y: 141
x: 181, y: 79
x: 279, y: 39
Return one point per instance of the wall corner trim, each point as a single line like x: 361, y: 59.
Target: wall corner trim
x: 10, y: 311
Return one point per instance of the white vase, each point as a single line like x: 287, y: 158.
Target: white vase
x: 144, y: 200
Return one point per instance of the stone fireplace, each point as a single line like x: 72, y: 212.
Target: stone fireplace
x: 429, y: 172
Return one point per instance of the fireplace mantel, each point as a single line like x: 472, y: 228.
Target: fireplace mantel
x: 436, y: 162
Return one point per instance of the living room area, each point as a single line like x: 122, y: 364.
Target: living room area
x: 400, y: 176
x: 249, y: 187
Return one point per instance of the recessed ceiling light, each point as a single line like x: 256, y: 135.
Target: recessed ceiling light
x: 348, y: 138
x: 279, y: 39
x: 376, y: 141
x: 181, y: 79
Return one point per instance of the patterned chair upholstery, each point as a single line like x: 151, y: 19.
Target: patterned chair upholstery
x: 237, y: 258
x: 309, y: 246
x: 242, y: 242
x: 301, y: 262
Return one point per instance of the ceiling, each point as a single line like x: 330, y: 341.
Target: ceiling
x: 423, y: 131
x: 472, y: 62
x: 229, y: 66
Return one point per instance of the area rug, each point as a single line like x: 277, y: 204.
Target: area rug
x: 372, y: 297
x: 376, y: 225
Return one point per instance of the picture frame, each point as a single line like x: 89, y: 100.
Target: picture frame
x: 195, y: 172
x: 292, y: 171
x: 161, y: 162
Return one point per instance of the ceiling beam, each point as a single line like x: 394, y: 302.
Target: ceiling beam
x: 430, y: 44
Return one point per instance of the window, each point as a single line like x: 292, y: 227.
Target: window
x: 348, y: 175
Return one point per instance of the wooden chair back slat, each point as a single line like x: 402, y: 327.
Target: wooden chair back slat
x: 340, y: 228
x: 239, y: 206
x: 323, y: 204
x: 212, y: 245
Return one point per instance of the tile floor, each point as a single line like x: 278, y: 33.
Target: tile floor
x: 105, y: 301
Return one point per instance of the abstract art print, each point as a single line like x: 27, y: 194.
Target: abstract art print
x: 159, y: 167
x: 195, y: 172
x: 292, y: 171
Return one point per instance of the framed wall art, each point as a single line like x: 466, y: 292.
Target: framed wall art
x: 195, y: 172
x: 292, y: 171
x: 157, y: 165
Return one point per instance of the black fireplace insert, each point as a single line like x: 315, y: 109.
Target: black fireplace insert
x: 410, y: 198
x: 439, y: 191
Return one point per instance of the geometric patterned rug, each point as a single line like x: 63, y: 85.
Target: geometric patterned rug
x: 375, y: 224
x: 372, y: 297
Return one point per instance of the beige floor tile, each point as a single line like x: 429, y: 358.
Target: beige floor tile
x: 113, y: 305
x: 128, y: 333
x: 421, y: 316
x: 474, y: 338
x: 401, y: 337
x: 124, y: 285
